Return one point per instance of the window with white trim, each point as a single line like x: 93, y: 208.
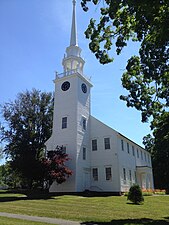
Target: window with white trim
x: 108, y: 173
x: 95, y: 174
x: 148, y: 158
x: 124, y: 174
x: 122, y: 145
x: 130, y: 177
x: 83, y: 123
x: 94, y: 145
x: 145, y: 156
x: 128, y: 149
x: 107, y: 143
x: 84, y: 153
x: 63, y: 149
x: 141, y: 154
x: 135, y: 176
x: 64, y: 122
x: 133, y: 150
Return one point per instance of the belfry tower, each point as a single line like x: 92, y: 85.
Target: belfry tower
x: 71, y: 119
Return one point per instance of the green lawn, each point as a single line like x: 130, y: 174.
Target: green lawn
x: 10, y: 221
x: 113, y: 210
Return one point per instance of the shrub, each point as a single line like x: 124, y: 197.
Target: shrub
x: 135, y: 194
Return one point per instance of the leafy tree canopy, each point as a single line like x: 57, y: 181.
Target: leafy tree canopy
x: 159, y: 148
x: 147, y: 75
x: 28, y: 124
x: 8, y: 177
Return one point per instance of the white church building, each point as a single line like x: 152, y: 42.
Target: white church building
x: 102, y: 159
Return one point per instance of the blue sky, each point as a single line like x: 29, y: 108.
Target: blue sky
x: 34, y: 36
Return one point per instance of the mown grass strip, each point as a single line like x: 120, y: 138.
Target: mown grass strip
x: 99, y: 209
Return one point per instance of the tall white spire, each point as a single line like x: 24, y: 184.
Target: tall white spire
x: 72, y: 60
x: 73, y: 39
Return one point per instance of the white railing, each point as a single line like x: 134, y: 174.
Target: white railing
x: 67, y: 73
x: 70, y: 72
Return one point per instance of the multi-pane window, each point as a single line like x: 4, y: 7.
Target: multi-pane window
x: 124, y: 174
x: 130, y: 177
x: 148, y: 158
x: 122, y: 145
x: 133, y: 150
x: 108, y: 173
x: 64, y: 122
x: 95, y: 174
x: 94, y: 145
x: 128, y: 150
x: 145, y: 156
x: 84, y: 123
x: 135, y: 177
x: 63, y: 149
x: 84, y: 153
x: 107, y: 143
x: 137, y: 153
x: 141, y: 154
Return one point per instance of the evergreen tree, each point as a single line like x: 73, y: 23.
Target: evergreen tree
x: 135, y: 194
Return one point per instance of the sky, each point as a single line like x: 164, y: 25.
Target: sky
x: 34, y: 35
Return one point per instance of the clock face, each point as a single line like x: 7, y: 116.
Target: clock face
x: 65, y: 86
x: 84, y: 88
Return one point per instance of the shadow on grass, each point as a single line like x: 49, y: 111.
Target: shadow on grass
x: 25, y: 194
x: 11, y: 199
x: 30, y: 195
x: 143, y: 221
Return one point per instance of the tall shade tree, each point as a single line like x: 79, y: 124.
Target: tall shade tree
x: 28, y: 124
x: 147, y: 75
x: 159, y: 148
x: 146, y: 78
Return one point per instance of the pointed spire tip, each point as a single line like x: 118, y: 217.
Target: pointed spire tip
x: 73, y: 40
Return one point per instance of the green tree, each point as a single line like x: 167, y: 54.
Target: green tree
x: 28, y: 124
x: 135, y: 194
x: 8, y: 177
x: 159, y: 148
x: 2, y: 177
x: 147, y: 75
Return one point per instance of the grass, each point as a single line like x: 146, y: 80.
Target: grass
x: 112, y: 210
x: 11, y: 221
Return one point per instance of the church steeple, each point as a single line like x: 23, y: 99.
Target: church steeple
x: 72, y: 60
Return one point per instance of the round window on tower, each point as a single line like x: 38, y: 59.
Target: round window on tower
x: 84, y: 88
x: 65, y: 86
